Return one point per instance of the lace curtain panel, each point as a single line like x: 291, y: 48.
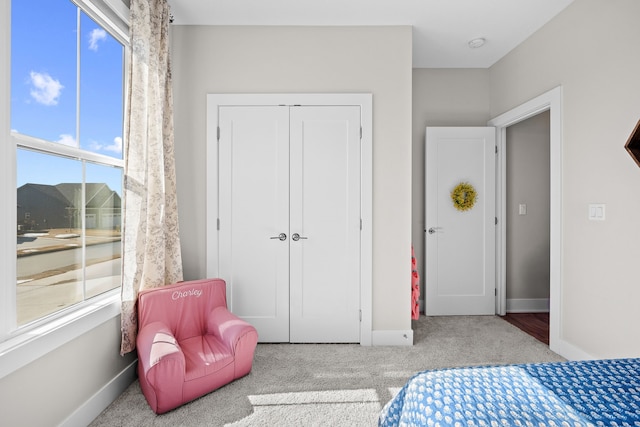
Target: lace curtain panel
x: 151, y: 244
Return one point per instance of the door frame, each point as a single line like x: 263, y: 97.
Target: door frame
x: 551, y: 101
x: 365, y: 102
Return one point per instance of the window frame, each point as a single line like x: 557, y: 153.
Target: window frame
x: 21, y: 346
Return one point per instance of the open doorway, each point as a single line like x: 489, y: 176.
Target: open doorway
x: 550, y: 101
x: 528, y: 225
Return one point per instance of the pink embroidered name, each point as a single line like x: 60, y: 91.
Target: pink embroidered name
x: 184, y: 294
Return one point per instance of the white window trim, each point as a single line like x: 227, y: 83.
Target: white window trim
x: 111, y: 14
x: 56, y: 149
x: 8, y: 219
x: 30, y: 343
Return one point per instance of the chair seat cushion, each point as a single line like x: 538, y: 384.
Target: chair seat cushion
x: 204, y: 355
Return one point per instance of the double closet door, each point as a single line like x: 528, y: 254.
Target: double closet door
x: 289, y: 219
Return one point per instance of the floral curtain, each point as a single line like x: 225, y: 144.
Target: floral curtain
x: 151, y: 245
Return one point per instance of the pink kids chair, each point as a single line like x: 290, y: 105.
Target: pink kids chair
x: 188, y: 343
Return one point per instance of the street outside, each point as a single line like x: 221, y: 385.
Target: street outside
x: 49, y: 269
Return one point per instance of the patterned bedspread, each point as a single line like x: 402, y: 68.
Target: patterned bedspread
x: 584, y: 393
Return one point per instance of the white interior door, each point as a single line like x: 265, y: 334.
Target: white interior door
x: 292, y: 172
x: 254, y: 212
x: 325, y: 212
x: 460, y: 245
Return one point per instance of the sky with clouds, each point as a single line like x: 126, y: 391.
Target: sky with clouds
x: 46, y: 38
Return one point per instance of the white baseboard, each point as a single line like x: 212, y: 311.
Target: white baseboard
x: 97, y: 403
x: 528, y: 305
x: 569, y: 351
x: 392, y: 337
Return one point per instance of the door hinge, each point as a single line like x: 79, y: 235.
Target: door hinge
x: 496, y: 220
x: 360, y: 132
x: 218, y: 223
x: 361, y: 315
x: 360, y: 224
x: 496, y: 149
x: 495, y: 291
x: 218, y: 134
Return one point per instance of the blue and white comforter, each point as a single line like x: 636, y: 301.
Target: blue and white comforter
x: 585, y: 393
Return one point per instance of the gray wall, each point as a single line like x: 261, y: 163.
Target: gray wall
x: 591, y: 50
x: 377, y: 60
x: 527, y: 181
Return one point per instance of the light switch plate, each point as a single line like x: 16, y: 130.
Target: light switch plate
x: 522, y: 209
x: 596, y: 211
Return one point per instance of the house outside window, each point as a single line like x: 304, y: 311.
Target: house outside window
x: 66, y: 123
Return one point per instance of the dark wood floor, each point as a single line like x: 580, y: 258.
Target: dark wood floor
x: 535, y: 324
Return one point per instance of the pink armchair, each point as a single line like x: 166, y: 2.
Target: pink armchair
x: 189, y: 343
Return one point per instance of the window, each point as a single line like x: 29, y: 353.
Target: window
x: 66, y: 123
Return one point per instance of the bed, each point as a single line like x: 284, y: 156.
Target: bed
x: 582, y: 393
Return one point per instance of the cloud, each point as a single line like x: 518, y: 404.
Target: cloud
x: 45, y: 89
x: 66, y: 139
x: 96, y: 35
x: 115, y: 147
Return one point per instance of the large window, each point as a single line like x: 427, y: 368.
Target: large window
x: 67, y: 122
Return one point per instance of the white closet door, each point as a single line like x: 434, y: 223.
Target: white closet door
x: 254, y: 211
x: 325, y: 212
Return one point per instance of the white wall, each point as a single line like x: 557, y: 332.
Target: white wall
x: 70, y: 383
x: 210, y: 59
x: 441, y: 97
x: 591, y: 50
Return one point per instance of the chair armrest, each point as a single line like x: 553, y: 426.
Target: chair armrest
x: 229, y: 328
x: 160, y: 354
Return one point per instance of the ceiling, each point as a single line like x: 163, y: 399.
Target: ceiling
x: 441, y: 28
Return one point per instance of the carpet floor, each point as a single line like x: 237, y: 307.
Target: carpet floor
x: 336, y: 384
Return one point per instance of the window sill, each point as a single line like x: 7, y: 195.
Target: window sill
x: 30, y: 345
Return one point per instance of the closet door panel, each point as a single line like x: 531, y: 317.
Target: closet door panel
x: 254, y: 211
x: 325, y: 212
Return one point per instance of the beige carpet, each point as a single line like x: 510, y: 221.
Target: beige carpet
x: 336, y: 384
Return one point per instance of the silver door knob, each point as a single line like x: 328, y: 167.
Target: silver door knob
x: 433, y: 230
x: 295, y: 237
x: 282, y: 237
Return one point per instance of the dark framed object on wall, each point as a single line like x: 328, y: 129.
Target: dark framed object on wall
x: 633, y: 144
